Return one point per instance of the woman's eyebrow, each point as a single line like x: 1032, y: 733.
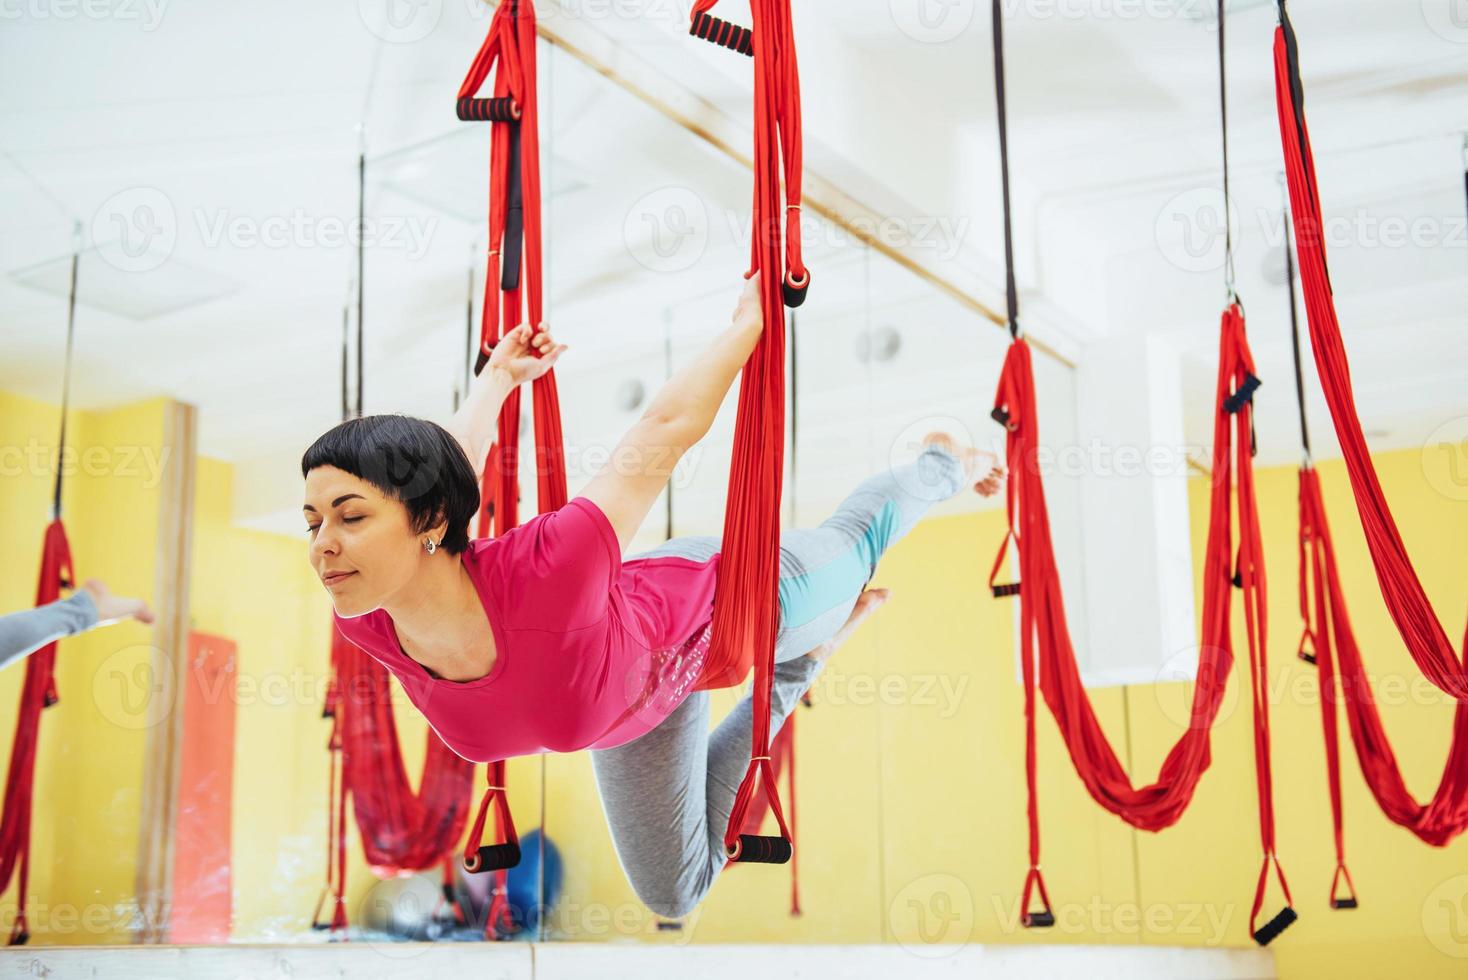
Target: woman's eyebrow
x: 338, y: 501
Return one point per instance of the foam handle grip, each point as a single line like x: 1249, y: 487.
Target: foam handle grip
x: 493, y: 857
x: 1039, y: 920
x: 753, y: 849
x: 480, y: 361
x: 487, y: 110
x: 1271, y: 929
x: 723, y: 33
x: 795, y: 295
x: 1010, y: 588
x: 1243, y: 396
x: 1343, y: 903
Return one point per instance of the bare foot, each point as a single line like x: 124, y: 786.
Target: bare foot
x: 866, y: 603
x: 111, y: 608
x: 975, y: 461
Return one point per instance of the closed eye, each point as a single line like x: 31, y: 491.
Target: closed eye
x: 311, y: 528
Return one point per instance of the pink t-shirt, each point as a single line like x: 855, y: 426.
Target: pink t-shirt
x: 591, y: 651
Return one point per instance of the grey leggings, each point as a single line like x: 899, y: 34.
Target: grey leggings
x: 25, y: 632
x: 668, y: 794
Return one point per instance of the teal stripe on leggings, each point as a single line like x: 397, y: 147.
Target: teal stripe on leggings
x: 805, y: 596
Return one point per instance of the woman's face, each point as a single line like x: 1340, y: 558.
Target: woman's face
x: 362, y: 547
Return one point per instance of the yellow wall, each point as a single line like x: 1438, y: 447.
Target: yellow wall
x: 911, y: 805
x: 89, y: 761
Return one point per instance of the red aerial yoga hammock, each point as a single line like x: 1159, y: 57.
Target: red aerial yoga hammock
x: 745, y: 615
x: 401, y: 830
x: 38, y: 691
x: 514, y: 250
x: 1426, y: 639
x: 1047, y: 655
x: 1329, y: 642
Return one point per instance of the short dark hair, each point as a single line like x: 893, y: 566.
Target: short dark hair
x: 410, y: 460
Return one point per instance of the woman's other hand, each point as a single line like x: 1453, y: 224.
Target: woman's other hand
x: 747, y: 313
x: 525, y: 355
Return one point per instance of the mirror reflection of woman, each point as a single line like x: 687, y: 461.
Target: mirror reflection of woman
x: 545, y: 639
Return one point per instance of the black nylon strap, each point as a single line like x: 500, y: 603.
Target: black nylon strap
x: 361, y: 263
x: 1295, y: 333
x: 1297, y: 108
x: 470, y: 345
x: 514, y: 220
x: 66, y: 381
x: 1011, y: 295
x: 1228, y: 239
x: 346, y: 401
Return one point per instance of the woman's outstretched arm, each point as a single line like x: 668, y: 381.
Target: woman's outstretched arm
x: 677, y: 418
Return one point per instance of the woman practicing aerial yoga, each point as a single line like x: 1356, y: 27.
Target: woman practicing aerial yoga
x: 544, y: 639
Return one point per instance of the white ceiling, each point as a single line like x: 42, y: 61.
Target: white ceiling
x: 214, y: 125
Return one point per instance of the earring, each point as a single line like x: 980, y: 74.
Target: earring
x: 431, y: 545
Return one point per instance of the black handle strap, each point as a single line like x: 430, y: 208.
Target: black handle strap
x: 1270, y: 931
x: 758, y: 849
x: 493, y: 857
x: 504, y: 109
x: 723, y: 33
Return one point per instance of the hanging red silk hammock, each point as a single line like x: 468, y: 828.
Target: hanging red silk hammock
x: 1421, y: 630
x: 512, y: 294
x: 745, y: 615
x: 38, y: 691
x: 1329, y: 642
x: 1047, y: 655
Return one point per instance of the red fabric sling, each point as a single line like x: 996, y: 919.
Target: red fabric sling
x: 1422, y: 632
x: 36, y: 694
x: 512, y: 295
x: 745, y: 615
